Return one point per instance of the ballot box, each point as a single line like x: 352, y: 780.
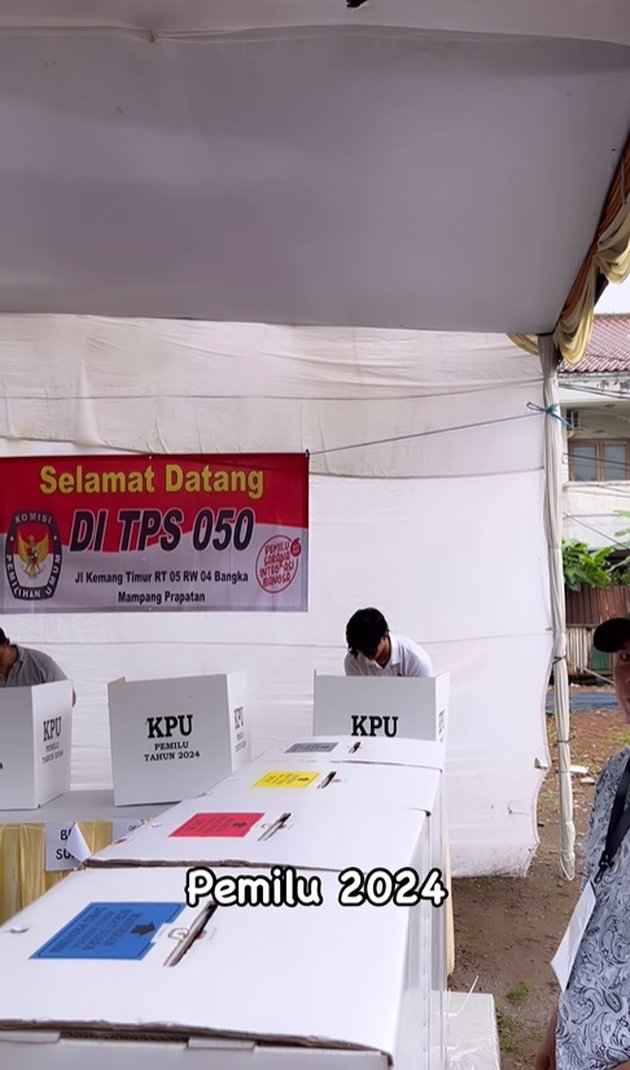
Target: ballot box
x: 366, y: 827
x: 144, y: 969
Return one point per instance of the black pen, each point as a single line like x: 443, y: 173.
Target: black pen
x: 355, y: 747
x: 280, y: 823
x: 327, y: 780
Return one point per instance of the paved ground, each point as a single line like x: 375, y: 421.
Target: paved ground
x: 587, y: 699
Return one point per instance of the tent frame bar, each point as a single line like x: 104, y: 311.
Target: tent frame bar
x: 554, y: 445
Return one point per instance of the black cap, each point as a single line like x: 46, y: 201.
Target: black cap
x: 610, y: 636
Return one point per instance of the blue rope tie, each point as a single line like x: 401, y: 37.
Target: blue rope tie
x: 551, y: 410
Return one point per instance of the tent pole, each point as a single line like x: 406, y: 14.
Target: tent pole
x: 549, y: 358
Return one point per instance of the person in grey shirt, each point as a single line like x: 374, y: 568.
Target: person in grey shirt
x: 590, y: 1030
x: 21, y: 666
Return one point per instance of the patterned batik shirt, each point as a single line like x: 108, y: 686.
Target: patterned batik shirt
x: 594, y: 1012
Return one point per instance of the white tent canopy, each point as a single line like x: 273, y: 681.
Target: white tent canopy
x: 296, y: 162
x: 573, y: 19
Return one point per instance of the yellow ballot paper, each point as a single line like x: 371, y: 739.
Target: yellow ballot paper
x: 562, y: 962
x: 286, y: 780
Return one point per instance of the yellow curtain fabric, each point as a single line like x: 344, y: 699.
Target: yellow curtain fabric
x: 23, y: 877
x: 609, y: 256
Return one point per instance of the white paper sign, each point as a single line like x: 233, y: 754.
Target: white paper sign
x: 562, y: 962
x: 62, y: 841
x: 120, y: 828
x: 77, y: 845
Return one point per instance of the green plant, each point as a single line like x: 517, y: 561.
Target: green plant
x: 617, y: 739
x: 626, y: 531
x: 509, y: 1039
x: 521, y: 992
x: 585, y: 568
x: 625, y: 564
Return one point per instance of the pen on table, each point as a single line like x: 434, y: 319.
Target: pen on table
x: 282, y: 820
x: 355, y: 747
x: 327, y: 780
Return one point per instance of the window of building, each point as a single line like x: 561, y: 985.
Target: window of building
x: 599, y: 462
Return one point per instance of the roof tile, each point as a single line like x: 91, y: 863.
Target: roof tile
x: 608, y: 350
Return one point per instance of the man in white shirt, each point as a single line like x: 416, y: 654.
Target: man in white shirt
x: 374, y: 651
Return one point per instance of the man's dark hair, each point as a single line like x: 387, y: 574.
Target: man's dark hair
x: 611, y: 635
x: 364, y: 631
x: 3, y: 638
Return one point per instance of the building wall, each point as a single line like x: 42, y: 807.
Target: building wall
x: 591, y: 513
x: 591, y: 510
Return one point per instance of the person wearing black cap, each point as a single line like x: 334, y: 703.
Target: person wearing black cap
x: 590, y: 1030
x: 613, y: 637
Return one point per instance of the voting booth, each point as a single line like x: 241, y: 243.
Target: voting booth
x: 175, y: 737
x: 372, y: 706
x: 35, y: 744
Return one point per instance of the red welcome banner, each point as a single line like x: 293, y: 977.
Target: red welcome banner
x: 210, y: 533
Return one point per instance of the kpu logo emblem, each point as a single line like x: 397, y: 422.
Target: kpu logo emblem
x: 32, y: 556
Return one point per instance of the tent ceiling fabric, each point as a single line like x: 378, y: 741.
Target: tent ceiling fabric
x: 605, y: 20
x: 348, y: 174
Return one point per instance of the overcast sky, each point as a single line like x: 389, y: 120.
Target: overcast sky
x: 616, y: 298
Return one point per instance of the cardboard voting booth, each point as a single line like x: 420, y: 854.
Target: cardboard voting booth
x: 114, y: 968
x: 35, y: 744
x: 366, y: 706
x: 174, y: 738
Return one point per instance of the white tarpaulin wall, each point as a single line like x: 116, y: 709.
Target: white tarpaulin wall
x: 443, y: 531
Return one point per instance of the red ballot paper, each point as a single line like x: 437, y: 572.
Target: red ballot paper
x: 234, y: 825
